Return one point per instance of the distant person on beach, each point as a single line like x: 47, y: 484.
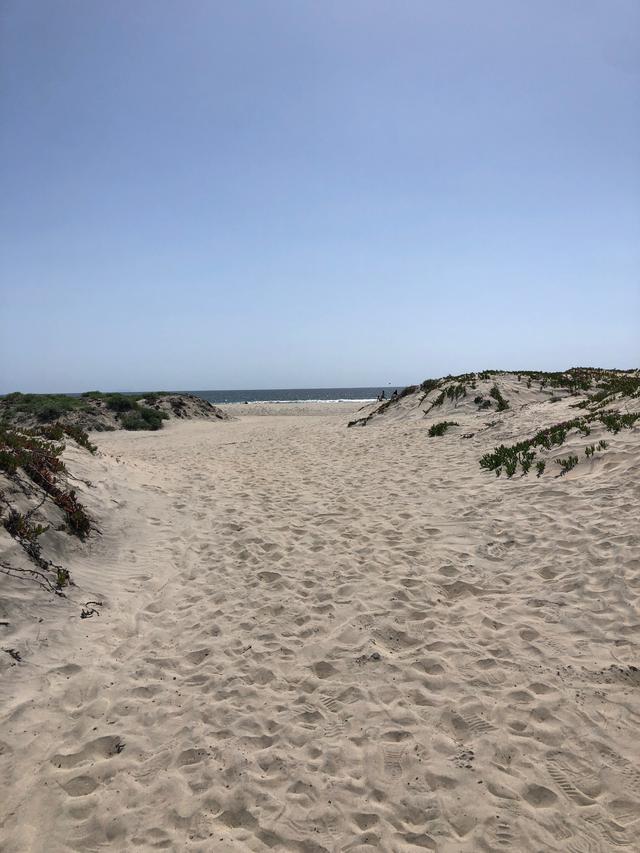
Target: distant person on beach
x: 381, y: 396
x: 395, y: 394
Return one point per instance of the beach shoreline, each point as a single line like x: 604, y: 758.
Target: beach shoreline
x: 295, y: 408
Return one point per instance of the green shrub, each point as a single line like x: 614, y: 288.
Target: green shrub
x: 62, y: 577
x: 20, y: 527
x: 24, y: 448
x: 50, y: 413
x: 52, y: 432
x: 554, y: 435
x: 441, y: 428
x: 611, y: 384
x: 502, y: 403
x: 567, y: 464
x: 429, y: 385
x: 120, y: 403
x: 510, y: 467
x: 143, y: 418
x: 614, y: 421
x: 526, y: 458
x: 540, y: 466
x: 455, y: 391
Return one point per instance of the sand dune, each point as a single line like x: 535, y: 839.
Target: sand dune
x: 319, y: 639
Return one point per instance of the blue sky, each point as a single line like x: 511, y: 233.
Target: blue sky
x: 294, y: 193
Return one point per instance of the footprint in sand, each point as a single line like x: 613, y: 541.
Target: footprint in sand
x: 80, y: 786
x: 269, y: 577
x: 103, y: 747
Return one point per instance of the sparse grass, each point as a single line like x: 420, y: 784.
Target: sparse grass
x: 555, y: 436
x: 591, y: 449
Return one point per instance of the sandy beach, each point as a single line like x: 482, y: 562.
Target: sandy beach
x: 314, y: 638
x: 260, y: 592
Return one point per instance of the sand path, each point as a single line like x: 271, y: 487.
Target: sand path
x: 322, y: 639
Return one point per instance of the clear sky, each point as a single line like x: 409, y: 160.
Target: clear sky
x: 286, y: 193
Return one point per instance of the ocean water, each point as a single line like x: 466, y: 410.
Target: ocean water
x: 295, y: 395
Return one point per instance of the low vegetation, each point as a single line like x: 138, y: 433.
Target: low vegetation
x: 384, y: 405
x: 31, y: 461
x: 601, y: 387
x: 39, y: 458
x: 567, y: 464
x: 441, y: 428
x: 130, y: 412
x: 57, y: 432
x: 522, y: 453
x: 94, y: 409
x: 502, y: 403
x: 44, y: 408
x: 611, y: 385
x: 143, y: 417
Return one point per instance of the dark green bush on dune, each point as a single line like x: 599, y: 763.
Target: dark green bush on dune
x: 143, y: 418
x: 120, y: 403
x: 503, y: 404
x: 441, y: 427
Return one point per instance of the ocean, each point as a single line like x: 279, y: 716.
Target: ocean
x: 295, y: 395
